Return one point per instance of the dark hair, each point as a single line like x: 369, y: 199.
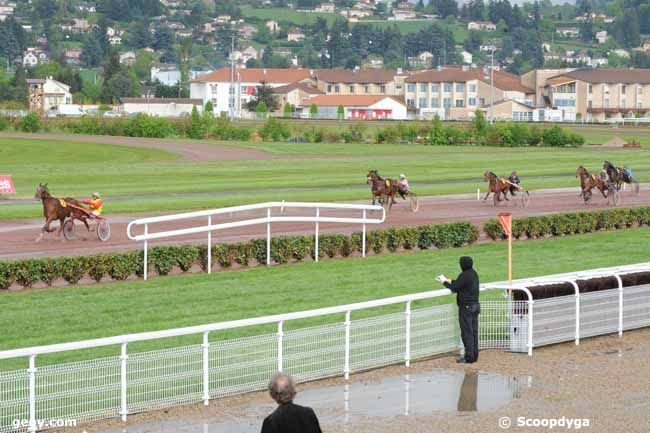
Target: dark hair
x: 282, y: 388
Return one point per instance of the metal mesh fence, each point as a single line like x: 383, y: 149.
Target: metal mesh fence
x: 14, y: 398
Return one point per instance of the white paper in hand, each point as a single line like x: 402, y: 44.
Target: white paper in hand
x: 441, y: 278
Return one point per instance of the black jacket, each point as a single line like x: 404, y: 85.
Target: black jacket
x: 291, y: 418
x: 466, y: 285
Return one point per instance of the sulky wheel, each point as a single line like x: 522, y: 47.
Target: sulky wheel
x: 616, y: 197
x: 103, y: 230
x: 415, y: 204
x: 525, y: 198
x: 69, y: 230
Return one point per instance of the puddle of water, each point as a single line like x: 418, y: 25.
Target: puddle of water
x: 342, y: 405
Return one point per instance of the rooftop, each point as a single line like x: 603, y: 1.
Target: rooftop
x: 256, y: 75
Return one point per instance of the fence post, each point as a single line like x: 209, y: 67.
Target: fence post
x: 363, y: 236
x: 123, y: 357
x: 280, y: 337
x: 346, y: 367
x: 206, y: 369
x: 530, y: 327
x: 478, y: 194
x: 577, y: 289
x: 268, y: 237
x: 620, y: 304
x: 146, y: 246
x: 209, y: 245
x: 32, y: 393
x: 407, y: 355
x: 316, y: 235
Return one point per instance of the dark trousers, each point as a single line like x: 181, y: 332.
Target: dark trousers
x: 468, y: 320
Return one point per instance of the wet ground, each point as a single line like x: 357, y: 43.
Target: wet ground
x: 342, y: 406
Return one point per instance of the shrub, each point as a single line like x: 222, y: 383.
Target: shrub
x: 50, y: 271
x: 73, y: 269
x: 30, y: 123
x: 143, y: 125
x: 410, y: 237
x: 376, y: 240
x: 97, y: 266
x: 301, y: 247
x: 330, y: 245
x: 162, y: 259
x: 121, y: 266
x: 186, y: 256
x: 223, y: 254
x: 259, y: 250
x: 4, y: 124
x: 275, y: 130
x: 244, y: 253
x: 393, y: 239
x: 7, y: 275
x: 27, y: 272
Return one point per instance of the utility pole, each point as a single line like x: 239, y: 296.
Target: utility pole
x: 231, y: 96
x: 492, y: 88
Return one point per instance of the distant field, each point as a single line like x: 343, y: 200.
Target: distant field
x: 74, y: 313
x: 150, y: 180
x: 285, y: 14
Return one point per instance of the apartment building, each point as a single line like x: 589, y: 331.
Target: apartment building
x: 372, y: 81
x: 455, y: 92
x: 600, y: 94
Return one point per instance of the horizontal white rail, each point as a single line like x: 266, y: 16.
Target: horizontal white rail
x: 209, y: 226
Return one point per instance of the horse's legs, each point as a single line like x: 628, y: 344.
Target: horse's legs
x: 61, y: 223
x: 46, y: 229
x: 486, y: 195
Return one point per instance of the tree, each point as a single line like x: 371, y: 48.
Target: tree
x: 163, y: 38
x: 288, y: 110
x: 139, y: 36
x: 313, y: 111
x: 480, y: 125
x: 264, y: 93
x: 340, y: 112
x: 209, y: 108
x: 261, y: 108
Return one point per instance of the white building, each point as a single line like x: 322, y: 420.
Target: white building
x: 467, y: 57
x: 127, y: 58
x: 55, y: 94
x: 216, y: 86
x: 161, y: 107
x: 34, y: 56
x: 295, y: 35
x: 568, y: 32
x: 601, y: 37
x: 115, y: 40
x: 326, y: 8
x: 356, y: 107
x: 273, y: 26
x: 481, y: 25
x: 169, y: 75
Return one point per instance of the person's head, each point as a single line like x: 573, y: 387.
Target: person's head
x: 96, y: 195
x: 401, y: 176
x: 282, y: 388
x: 514, y: 173
x: 466, y: 263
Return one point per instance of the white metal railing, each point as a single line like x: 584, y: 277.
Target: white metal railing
x: 135, y: 382
x: 209, y: 226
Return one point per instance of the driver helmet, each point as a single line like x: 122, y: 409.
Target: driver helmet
x: 401, y: 176
x: 96, y: 195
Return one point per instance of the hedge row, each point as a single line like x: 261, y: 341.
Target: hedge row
x: 570, y: 223
x: 164, y: 259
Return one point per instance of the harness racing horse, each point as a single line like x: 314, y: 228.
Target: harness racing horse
x: 497, y: 186
x: 620, y: 175
x: 589, y: 182
x: 382, y: 189
x: 57, y: 209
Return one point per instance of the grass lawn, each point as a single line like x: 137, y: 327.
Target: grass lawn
x: 325, y: 172
x: 288, y: 15
x: 73, y: 313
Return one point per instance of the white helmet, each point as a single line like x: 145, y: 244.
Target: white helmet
x: 401, y: 176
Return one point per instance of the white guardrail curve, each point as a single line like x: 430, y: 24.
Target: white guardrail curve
x: 411, y: 334
x: 269, y: 218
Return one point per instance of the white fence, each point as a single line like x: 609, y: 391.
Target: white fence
x: 135, y: 382
x: 208, y: 224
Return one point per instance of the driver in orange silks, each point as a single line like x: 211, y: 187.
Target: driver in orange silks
x: 95, y: 204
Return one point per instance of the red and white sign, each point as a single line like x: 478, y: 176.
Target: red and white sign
x: 6, y: 185
x: 505, y: 219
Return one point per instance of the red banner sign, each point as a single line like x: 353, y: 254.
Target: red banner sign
x: 6, y: 185
x: 505, y: 219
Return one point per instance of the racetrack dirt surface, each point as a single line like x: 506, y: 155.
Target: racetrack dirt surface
x: 18, y: 236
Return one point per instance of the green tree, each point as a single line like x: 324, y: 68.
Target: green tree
x: 209, y: 108
x: 480, y: 125
x: 288, y: 110
x: 340, y: 112
x: 264, y: 93
x: 313, y: 111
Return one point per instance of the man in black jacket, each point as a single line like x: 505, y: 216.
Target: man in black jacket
x: 288, y: 417
x: 466, y: 289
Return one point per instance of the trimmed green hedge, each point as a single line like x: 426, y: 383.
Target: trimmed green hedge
x: 570, y: 223
x: 285, y: 249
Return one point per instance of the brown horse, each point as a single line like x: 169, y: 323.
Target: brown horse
x: 497, y: 186
x: 382, y: 189
x: 589, y: 182
x: 57, y: 209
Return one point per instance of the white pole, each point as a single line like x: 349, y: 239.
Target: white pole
x: 346, y: 367
x: 407, y: 394
x: 577, y: 289
x: 146, y: 246
x: 206, y: 369
x: 530, y: 327
x: 478, y: 194
x: 209, y: 245
x: 280, y: 335
x: 268, y: 237
x: 123, y: 358
x: 32, y: 393
x: 316, y: 235
x: 363, y: 236
x: 620, y: 304
x: 407, y: 355
x: 492, y: 89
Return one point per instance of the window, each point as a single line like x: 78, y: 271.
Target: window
x: 337, y: 89
x: 566, y: 88
x: 329, y: 88
x: 472, y: 88
x: 423, y: 87
x: 382, y: 89
x: 422, y: 102
x: 472, y: 102
x: 409, y: 87
x: 482, y: 101
x: 435, y: 88
x: 623, y: 88
x: 639, y: 89
x: 590, y: 104
x: 410, y: 102
x: 460, y: 103
x: 446, y: 102
x: 460, y: 87
x: 590, y: 87
x: 435, y: 103
x: 561, y: 102
x: 366, y: 88
x: 447, y: 87
x: 606, y: 103
x: 638, y: 105
x: 522, y: 116
x: 351, y: 89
